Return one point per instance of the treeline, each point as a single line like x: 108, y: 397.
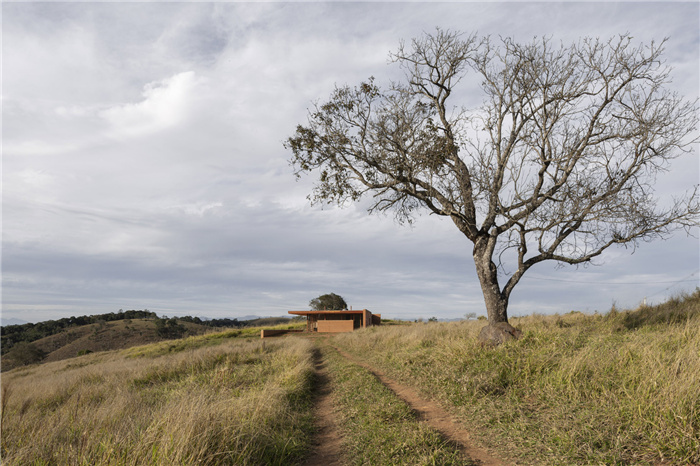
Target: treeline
x: 229, y: 323
x: 13, y: 334
x: 214, y: 322
x: 172, y: 327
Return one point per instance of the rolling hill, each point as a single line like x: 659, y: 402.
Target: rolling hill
x: 103, y: 336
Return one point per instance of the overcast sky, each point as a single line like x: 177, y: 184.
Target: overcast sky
x: 143, y: 164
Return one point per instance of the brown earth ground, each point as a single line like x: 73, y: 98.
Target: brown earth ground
x: 328, y: 442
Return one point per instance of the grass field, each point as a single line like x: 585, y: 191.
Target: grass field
x: 623, y: 388
x: 619, y: 388
x: 239, y: 402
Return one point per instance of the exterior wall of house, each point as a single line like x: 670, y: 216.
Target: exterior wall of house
x: 266, y: 333
x: 334, y: 326
x: 338, y: 321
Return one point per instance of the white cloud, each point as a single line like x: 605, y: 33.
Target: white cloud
x: 198, y: 209
x: 165, y: 106
x: 35, y: 178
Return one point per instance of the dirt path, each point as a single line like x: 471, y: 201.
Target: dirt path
x: 434, y: 415
x: 327, y: 443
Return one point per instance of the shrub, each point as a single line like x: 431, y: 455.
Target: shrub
x: 24, y: 353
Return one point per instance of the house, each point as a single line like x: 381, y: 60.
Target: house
x: 338, y: 321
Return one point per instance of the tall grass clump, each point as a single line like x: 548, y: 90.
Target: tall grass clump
x: 575, y: 389
x: 240, y: 402
x: 677, y: 310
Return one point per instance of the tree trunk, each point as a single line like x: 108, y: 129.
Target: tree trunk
x: 498, y: 330
x: 496, y: 301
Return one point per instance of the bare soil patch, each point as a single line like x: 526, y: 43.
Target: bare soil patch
x: 327, y: 444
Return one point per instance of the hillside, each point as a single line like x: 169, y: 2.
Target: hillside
x: 221, y: 398
x: 55, y: 340
x: 103, y: 336
x: 30, y: 332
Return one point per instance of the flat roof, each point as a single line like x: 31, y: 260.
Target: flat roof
x: 307, y: 313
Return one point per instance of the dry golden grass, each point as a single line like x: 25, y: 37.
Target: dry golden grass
x: 575, y: 389
x: 240, y: 402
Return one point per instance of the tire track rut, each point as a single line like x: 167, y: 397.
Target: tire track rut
x: 434, y: 415
x: 327, y: 443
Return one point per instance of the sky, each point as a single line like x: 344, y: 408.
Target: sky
x: 143, y: 164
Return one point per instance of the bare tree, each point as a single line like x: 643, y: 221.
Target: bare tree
x: 558, y: 163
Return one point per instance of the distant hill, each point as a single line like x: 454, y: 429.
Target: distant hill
x: 249, y: 317
x: 67, y: 338
x: 14, y: 334
x: 103, y: 336
x: 12, y: 321
x: 253, y: 320
x: 265, y: 321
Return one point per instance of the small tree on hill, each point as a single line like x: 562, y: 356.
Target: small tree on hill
x: 329, y: 301
x: 24, y: 353
x: 169, y: 328
x: 557, y: 164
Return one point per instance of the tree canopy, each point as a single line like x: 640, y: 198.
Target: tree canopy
x: 559, y: 162
x: 330, y: 302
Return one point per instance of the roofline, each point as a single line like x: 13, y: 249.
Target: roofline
x: 306, y: 313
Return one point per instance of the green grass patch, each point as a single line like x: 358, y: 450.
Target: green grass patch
x: 380, y: 428
x: 200, y: 341
x: 189, y: 343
